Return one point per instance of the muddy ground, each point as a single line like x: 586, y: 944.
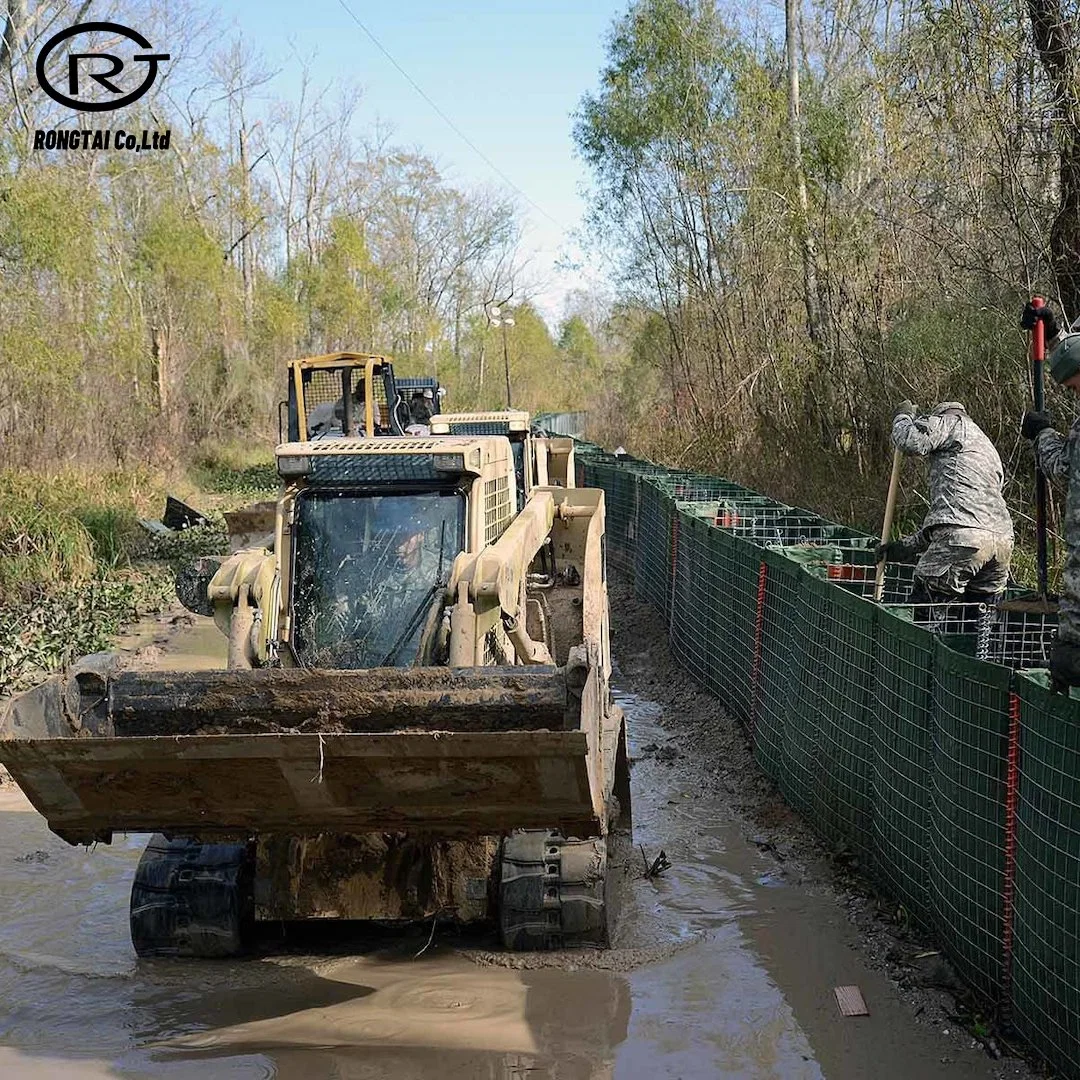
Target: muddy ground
x: 723, y: 966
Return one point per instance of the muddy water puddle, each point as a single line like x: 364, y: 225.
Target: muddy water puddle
x: 723, y: 967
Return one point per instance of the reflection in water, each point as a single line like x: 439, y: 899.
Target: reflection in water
x: 78, y: 993
x: 441, y: 1017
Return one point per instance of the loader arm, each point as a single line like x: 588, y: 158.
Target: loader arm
x: 491, y: 589
x: 244, y: 595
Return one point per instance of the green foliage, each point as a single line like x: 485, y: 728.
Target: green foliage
x: 45, y: 631
x: 76, y: 568
x: 831, y: 125
x: 337, y: 288
x: 47, y: 223
x: 577, y: 343
x: 240, y: 470
x: 668, y: 83
x: 64, y: 528
x: 174, y: 250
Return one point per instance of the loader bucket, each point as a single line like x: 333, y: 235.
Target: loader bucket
x: 445, y: 752
x: 253, y: 526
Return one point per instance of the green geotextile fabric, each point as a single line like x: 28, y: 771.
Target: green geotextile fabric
x: 652, y: 558
x: 967, y: 813
x: 827, y: 766
x: 901, y: 743
x: 696, y: 634
x: 620, y: 509
x: 1046, y: 923
x: 741, y: 567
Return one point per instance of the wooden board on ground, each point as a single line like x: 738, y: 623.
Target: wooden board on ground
x: 850, y: 1000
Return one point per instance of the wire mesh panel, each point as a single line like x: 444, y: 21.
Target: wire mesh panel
x: 1019, y: 637
x: 775, y: 644
x: 737, y: 511
x: 901, y: 741
x: 695, y: 611
x: 323, y: 385
x: 741, y: 572
x: 696, y: 487
x: 857, y: 573
x: 801, y: 750
x: 1046, y: 923
x: 617, y: 486
x: 831, y: 772
x: 652, y: 562
x: 780, y: 527
x: 967, y: 818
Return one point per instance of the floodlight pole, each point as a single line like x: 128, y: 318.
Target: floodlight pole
x: 506, y: 361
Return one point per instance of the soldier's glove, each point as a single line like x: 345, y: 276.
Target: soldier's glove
x: 905, y: 408
x: 896, y: 551
x: 1032, y: 315
x: 1034, y: 423
x: 1064, y: 666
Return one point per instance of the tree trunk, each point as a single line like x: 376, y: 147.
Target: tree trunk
x: 1058, y: 42
x: 160, y: 352
x: 807, y: 248
x: 247, y: 245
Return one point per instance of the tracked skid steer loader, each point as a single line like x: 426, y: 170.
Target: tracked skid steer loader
x: 415, y: 721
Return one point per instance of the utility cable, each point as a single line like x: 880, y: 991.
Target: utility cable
x: 446, y: 119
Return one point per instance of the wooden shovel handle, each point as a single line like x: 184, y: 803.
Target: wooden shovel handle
x: 886, y: 525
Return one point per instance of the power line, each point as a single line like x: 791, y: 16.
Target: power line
x: 446, y: 119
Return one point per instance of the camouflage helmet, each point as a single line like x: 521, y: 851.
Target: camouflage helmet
x: 1064, y: 358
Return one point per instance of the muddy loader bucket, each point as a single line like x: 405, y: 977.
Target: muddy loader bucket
x: 451, y: 752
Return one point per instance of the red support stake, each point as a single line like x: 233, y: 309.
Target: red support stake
x: 759, y: 626
x: 1012, y: 786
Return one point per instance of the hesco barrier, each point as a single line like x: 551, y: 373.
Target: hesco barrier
x: 954, y: 779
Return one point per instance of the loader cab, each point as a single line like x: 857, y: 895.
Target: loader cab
x: 421, y: 396
x: 513, y: 424
x: 371, y: 530
x: 343, y: 394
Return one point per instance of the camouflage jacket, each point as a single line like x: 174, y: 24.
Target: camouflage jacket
x: 1059, y: 458
x: 966, y: 477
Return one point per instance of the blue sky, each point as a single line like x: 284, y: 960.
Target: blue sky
x: 508, y: 73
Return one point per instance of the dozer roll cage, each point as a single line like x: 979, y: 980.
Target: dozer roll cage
x: 361, y: 383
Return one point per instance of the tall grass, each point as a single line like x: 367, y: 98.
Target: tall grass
x: 76, y: 566
x: 63, y: 528
x: 239, y: 470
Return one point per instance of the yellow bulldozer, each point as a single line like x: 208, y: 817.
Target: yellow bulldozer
x: 415, y: 721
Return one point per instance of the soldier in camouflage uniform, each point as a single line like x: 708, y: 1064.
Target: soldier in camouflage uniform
x: 329, y: 417
x: 1059, y: 457
x: 965, y: 543
x: 412, y: 561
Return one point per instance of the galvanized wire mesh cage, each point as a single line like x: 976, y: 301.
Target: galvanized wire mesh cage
x: 1018, y: 638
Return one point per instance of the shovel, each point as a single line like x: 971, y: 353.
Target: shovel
x: 886, y: 525
x: 1038, y: 358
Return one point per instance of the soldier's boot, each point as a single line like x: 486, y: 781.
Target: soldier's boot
x: 1064, y: 666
